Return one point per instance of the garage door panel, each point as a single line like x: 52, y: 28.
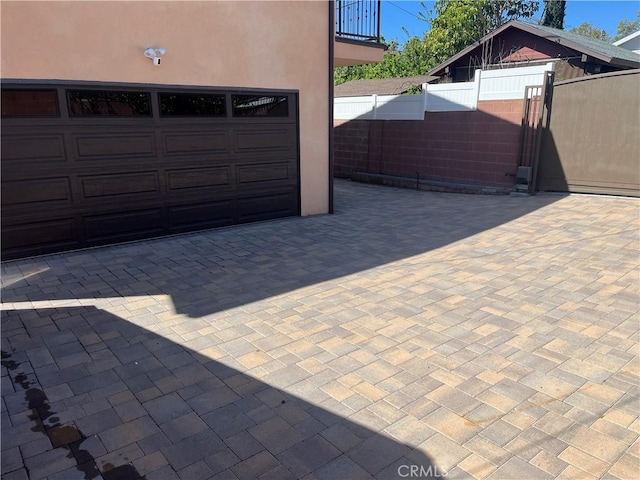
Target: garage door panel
x: 114, y: 146
x: 33, y: 147
x: 268, y: 173
x: 261, y: 140
x: 123, y: 226
x: 119, y: 184
x: 198, y: 178
x: 264, y: 207
x: 94, y: 179
x: 43, y: 191
x: 43, y: 237
x: 196, y: 142
x: 202, y: 215
x: 98, y: 167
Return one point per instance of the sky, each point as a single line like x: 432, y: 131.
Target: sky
x: 603, y: 14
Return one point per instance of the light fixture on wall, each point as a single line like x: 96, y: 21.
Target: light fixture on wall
x: 155, y: 54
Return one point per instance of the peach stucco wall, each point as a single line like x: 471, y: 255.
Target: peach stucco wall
x: 265, y: 44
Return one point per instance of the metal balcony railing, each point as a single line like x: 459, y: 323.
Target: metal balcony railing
x: 358, y: 20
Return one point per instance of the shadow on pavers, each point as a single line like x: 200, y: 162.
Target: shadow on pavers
x: 212, y: 271
x: 124, y: 403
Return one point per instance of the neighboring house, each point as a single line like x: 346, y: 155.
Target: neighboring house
x: 381, y: 86
x: 630, y: 42
x: 126, y: 120
x: 518, y: 43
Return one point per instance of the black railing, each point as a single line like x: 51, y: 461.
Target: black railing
x: 358, y: 20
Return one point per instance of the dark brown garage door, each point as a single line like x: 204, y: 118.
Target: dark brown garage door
x: 86, y: 165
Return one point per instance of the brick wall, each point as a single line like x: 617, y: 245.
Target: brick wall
x: 350, y: 146
x: 478, y: 147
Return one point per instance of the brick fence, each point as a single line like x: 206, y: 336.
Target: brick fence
x: 474, y: 147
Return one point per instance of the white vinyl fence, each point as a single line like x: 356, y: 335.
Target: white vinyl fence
x: 510, y: 83
x: 452, y: 97
x: 380, y: 107
x: 504, y: 84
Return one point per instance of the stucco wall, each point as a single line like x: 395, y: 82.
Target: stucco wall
x: 265, y: 44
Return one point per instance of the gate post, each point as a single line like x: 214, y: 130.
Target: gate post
x: 544, y: 118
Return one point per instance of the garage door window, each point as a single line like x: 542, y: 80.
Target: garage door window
x: 105, y: 103
x: 191, y: 105
x: 260, y: 105
x: 29, y: 103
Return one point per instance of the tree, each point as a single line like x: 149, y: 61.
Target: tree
x: 587, y: 29
x: 456, y: 24
x: 553, y: 15
x: 627, y: 27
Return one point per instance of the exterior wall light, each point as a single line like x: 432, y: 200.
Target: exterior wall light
x: 155, y: 54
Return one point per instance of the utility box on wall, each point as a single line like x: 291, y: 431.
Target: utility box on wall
x: 523, y: 178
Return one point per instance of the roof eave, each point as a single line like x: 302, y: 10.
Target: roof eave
x: 530, y: 28
x: 561, y: 41
x: 624, y: 63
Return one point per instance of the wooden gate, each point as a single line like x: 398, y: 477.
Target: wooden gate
x: 591, y: 144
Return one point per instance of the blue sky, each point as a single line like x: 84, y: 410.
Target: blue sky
x: 604, y: 14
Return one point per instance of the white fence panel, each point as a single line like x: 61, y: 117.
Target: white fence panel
x: 350, y: 108
x: 452, y: 97
x: 510, y: 83
x: 403, y: 107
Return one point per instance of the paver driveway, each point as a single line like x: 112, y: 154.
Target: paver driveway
x: 410, y: 335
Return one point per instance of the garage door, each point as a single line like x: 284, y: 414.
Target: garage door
x: 86, y: 165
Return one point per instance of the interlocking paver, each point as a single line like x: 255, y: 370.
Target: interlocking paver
x: 445, y: 452
x: 98, y: 422
x: 192, y: 449
x: 243, y: 445
x: 153, y: 442
x: 49, y: 463
x: 593, y: 442
x: 584, y: 461
x: 308, y: 455
x: 11, y: 460
x: 163, y: 473
x: 255, y: 466
x: 376, y: 453
x: 627, y: 466
x: 129, y: 432
x: 151, y: 463
x: 476, y: 466
x: 517, y: 468
x: 40, y: 445
x: 183, y: 427
x: 221, y: 460
x: 485, y: 336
